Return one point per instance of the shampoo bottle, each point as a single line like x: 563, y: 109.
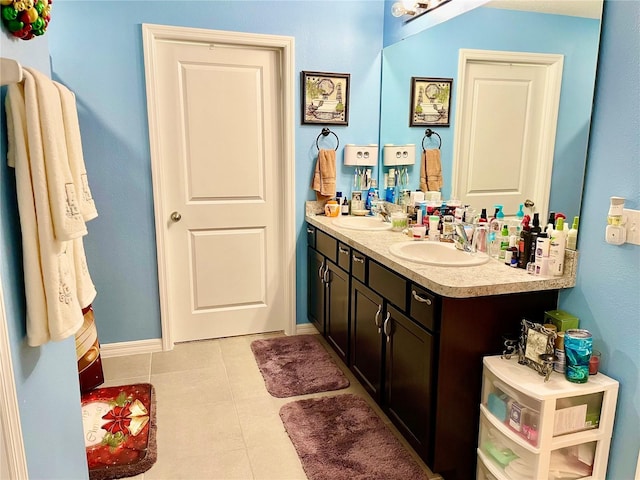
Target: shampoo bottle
x: 557, y: 244
x: 542, y: 254
x: 572, y: 235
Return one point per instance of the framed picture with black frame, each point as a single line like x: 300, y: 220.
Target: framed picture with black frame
x: 535, y: 340
x: 430, y: 102
x: 325, y: 98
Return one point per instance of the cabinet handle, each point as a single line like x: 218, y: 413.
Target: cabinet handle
x: 420, y: 299
x: 325, y: 277
x: 309, y: 230
x: 320, y: 270
x: 384, y: 327
x: 358, y: 259
x: 377, y: 318
x: 343, y: 250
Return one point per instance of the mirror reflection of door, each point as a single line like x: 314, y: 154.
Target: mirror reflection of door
x: 505, y: 128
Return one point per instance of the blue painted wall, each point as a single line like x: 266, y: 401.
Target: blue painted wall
x: 606, y: 297
x: 46, y: 377
x: 112, y: 108
x: 434, y: 53
x: 121, y: 244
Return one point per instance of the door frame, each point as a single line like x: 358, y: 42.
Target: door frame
x: 10, y: 426
x: 152, y: 34
x: 554, y: 66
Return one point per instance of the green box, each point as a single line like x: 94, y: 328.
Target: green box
x: 561, y: 319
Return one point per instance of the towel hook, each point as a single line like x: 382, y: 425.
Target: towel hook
x: 324, y: 133
x: 427, y: 134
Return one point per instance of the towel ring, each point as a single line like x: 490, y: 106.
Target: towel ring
x: 324, y: 133
x: 427, y: 134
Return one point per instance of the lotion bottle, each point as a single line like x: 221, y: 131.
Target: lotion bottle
x: 572, y: 235
x: 557, y: 244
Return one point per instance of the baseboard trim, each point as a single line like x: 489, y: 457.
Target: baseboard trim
x: 306, y: 329
x: 154, y: 345
x: 130, y: 348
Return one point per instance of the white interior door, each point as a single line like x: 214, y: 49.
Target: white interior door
x: 218, y: 112
x: 506, y: 116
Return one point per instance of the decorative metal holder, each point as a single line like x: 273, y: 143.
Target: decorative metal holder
x: 548, y: 359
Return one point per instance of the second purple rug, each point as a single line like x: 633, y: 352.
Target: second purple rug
x: 342, y: 438
x: 297, y: 365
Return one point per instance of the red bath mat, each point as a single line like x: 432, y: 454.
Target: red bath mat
x: 119, y: 430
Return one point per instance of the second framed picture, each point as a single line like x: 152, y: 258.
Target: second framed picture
x: 430, y: 101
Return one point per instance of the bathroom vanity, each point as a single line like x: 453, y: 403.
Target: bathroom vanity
x: 415, y: 335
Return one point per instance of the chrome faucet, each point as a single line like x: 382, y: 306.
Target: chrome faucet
x: 461, y: 241
x: 381, y: 210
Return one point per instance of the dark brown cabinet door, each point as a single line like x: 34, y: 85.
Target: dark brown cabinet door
x: 409, y: 378
x: 337, y: 310
x: 315, y: 289
x: 366, y: 338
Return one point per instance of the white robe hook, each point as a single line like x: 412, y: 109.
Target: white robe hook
x: 10, y: 71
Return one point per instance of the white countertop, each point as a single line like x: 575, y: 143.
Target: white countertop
x: 491, y: 278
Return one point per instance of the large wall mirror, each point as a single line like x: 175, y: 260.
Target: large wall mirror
x: 531, y: 27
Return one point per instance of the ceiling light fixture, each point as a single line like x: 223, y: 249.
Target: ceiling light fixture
x: 415, y: 9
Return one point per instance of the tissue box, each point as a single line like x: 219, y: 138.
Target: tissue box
x: 561, y: 319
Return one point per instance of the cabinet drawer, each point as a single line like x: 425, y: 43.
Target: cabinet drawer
x: 344, y: 256
x: 358, y: 266
x: 422, y: 307
x: 311, y: 236
x: 388, y: 284
x: 327, y: 245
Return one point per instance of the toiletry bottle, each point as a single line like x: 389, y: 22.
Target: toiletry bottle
x: 483, y: 216
x: 523, y: 254
x: 542, y: 254
x: 390, y: 194
x: 434, y: 232
x: 572, y: 235
x: 344, y: 206
x: 550, y: 223
x: 371, y: 194
x: 520, y: 213
x: 500, y: 215
x: 536, y: 224
x: 557, y: 244
x: 511, y: 253
x: 504, y: 242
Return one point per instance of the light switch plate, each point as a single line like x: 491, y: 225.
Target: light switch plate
x: 632, y: 225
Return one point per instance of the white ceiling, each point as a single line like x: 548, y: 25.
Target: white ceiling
x: 576, y: 8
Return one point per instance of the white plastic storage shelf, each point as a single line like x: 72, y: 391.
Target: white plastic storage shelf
x: 532, y: 429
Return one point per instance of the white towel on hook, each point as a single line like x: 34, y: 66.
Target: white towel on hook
x: 49, y: 213
x: 74, y: 152
x: 45, y: 110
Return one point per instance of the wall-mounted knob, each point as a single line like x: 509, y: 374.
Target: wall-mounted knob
x: 175, y: 217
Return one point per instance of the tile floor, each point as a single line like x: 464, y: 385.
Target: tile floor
x: 215, y: 418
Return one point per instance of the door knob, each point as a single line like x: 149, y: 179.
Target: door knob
x: 529, y: 203
x: 175, y: 216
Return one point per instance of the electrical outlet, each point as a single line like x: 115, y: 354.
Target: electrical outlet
x: 632, y: 218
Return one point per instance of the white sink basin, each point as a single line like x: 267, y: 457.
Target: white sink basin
x: 361, y: 223
x: 436, y: 253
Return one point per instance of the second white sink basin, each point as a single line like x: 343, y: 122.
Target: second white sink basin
x: 361, y: 223
x: 436, y: 253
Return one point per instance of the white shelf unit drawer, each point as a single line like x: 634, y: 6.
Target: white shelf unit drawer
x: 504, y: 457
x: 571, y: 423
